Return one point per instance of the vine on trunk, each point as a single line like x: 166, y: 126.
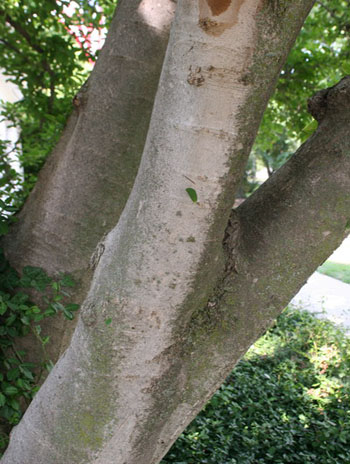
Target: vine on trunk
x: 19, y: 379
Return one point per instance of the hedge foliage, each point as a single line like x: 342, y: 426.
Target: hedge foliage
x: 287, y: 401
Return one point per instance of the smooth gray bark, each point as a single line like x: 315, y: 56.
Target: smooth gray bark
x: 185, y: 294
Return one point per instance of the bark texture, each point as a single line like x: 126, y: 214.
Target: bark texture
x: 85, y: 183
x: 274, y: 241
x: 125, y: 389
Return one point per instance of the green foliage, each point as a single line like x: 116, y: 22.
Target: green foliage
x: 19, y: 316
x: 319, y: 59
x: 337, y: 270
x: 287, y: 401
x: 48, y: 59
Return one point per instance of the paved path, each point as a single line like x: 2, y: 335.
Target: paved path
x: 328, y: 297
x: 342, y: 254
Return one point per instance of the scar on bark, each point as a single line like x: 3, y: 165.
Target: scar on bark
x: 218, y: 6
x: 227, y: 10
x: 206, y: 24
x: 195, y: 76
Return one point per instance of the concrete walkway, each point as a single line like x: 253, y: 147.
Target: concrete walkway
x: 329, y: 298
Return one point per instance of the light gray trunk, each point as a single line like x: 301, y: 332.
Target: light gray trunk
x: 178, y: 295
x: 85, y: 183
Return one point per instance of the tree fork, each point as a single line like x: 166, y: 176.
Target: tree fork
x: 250, y: 295
x: 131, y: 393
x: 274, y: 241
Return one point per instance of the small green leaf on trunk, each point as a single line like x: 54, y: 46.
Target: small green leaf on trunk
x: 192, y: 194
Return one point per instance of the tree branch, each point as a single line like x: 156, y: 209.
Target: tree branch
x: 274, y: 241
x: 279, y: 236
x: 159, y: 357
x: 11, y: 46
x: 330, y: 11
x: 21, y: 31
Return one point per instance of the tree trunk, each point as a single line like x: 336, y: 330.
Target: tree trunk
x: 85, y: 183
x: 178, y: 295
x: 149, y: 347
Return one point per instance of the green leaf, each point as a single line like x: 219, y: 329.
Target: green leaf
x: 58, y: 306
x: 49, y: 312
x: 72, y: 307
x: 35, y: 309
x: 2, y: 399
x: 3, y: 308
x: 26, y: 372
x: 13, y: 305
x: 49, y: 365
x: 68, y: 314
x: 67, y: 281
x: 108, y: 321
x: 37, y: 329
x: 14, y: 404
x: 23, y: 384
x: 10, y: 320
x: 38, y: 317
x: 12, y: 374
x: 25, y: 320
x: 308, y: 130
x: 63, y: 292
x: 35, y: 277
x: 10, y: 390
x: 192, y: 194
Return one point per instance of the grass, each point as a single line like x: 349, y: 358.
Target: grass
x: 337, y: 270
x: 287, y: 401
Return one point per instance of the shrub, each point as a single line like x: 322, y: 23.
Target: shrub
x: 287, y: 401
